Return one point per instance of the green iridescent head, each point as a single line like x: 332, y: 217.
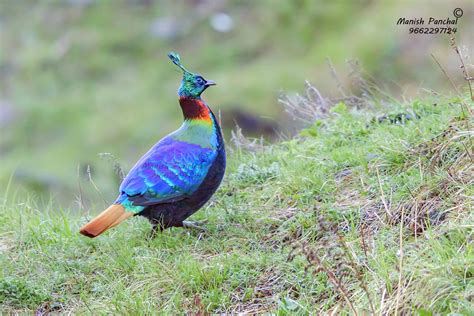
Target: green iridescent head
x: 192, y: 85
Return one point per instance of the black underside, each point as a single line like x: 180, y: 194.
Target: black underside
x: 173, y: 214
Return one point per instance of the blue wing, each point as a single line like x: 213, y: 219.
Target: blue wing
x: 170, y: 171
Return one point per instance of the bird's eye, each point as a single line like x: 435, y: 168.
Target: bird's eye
x: 200, y: 80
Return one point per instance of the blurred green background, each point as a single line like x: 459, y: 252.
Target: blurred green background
x: 83, y: 77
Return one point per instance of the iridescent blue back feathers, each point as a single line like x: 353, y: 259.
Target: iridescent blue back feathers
x: 175, y: 167
x: 179, y: 174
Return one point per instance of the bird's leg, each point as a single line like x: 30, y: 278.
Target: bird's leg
x: 154, y: 230
x: 198, y: 225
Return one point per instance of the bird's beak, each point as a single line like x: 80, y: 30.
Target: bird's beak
x: 210, y: 83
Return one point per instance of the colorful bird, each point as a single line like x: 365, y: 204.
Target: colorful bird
x: 179, y: 174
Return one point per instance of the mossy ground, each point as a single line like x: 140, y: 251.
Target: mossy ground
x: 383, y: 207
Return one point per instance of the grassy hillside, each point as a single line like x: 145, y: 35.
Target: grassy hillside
x: 365, y: 211
x: 78, y: 78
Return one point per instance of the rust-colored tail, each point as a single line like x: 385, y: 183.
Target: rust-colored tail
x: 112, y: 216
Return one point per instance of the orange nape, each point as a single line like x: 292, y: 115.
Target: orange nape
x: 112, y: 216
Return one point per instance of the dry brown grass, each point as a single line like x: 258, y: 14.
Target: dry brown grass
x: 262, y: 299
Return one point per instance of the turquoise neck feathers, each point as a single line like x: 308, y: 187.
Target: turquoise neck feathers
x: 199, y: 125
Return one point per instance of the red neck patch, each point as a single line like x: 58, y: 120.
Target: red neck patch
x: 194, y: 109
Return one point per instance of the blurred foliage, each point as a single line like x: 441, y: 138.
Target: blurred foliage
x: 81, y: 77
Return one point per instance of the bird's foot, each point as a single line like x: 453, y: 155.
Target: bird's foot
x: 195, y: 225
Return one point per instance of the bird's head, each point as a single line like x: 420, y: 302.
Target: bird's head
x: 192, y: 85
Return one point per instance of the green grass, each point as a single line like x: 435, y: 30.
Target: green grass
x: 271, y: 204
x: 92, y: 79
x: 89, y: 79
